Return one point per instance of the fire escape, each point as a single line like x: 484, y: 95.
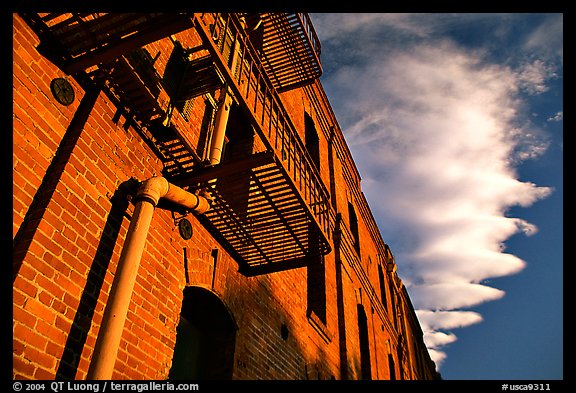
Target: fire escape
x: 282, y: 216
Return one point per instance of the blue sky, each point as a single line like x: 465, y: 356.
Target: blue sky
x: 455, y: 122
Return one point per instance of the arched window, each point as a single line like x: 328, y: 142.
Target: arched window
x: 205, y: 339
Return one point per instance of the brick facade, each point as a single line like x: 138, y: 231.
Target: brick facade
x: 76, y: 171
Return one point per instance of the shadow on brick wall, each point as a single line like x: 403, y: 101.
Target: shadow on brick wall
x: 43, y: 196
x: 68, y: 366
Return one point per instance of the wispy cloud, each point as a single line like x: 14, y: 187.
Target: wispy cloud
x: 442, y: 320
x: 559, y: 116
x: 547, y: 38
x: 436, y: 130
x: 439, y: 339
x: 533, y: 76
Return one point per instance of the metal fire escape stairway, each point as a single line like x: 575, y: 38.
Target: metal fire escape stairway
x: 114, y: 42
x: 290, y: 49
x: 77, y: 41
x: 285, y: 217
x: 280, y: 215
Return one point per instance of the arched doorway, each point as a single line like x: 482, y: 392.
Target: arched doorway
x: 205, y: 339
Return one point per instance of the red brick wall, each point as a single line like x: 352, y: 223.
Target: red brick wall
x: 71, y: 215
x: 74, y: 244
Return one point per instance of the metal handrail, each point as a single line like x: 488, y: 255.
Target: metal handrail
x: 250, y: 80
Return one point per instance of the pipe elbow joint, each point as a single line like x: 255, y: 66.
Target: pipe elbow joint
x: 156, y: 188
x: 204, y: 203
x: 195, y: 203
x: 153, y: 189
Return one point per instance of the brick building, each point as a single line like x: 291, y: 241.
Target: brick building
x: 185, y: 206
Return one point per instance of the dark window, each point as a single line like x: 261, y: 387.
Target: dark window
x: 382, y: 287
x: 312, y: 140
x: 364, y: 344
x: 393, y: 301
x: 239, y: 142
x: 316, y: 280
x: 205, y: 338
x: 391, y: 367
x: 185, y: 79
x: 316, y: 269
x: 354, y: 226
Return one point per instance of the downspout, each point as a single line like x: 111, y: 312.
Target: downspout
x: 220, y: 122
x: 222, y: 114
x: 147, y: 197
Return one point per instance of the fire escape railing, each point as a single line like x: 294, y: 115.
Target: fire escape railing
x: 287, y: 217
x: 77, y: 41
x: 272, y: 123
x: 290, y: 49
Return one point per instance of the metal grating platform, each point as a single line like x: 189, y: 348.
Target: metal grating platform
x: 290, y: 50
x: 258, y: 216
x: 271, y: 209
x: 77, y: 41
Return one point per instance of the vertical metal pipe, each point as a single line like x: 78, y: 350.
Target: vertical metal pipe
x: 110, y: 334
x: 220, y: 122
x: 222, y: 114
x: 106, y: 349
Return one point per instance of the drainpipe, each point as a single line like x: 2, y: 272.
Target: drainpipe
x: 221, y: 120
x: 147, y: 197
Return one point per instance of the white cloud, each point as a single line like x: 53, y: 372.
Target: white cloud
x: 433, y: 322
x: 452, y: 295
x: 435, y: 131
x: 437, y: 357
x: 559, y: 116
x: 339, y: 25
x: 533, y: 77
x: 407, y: 25
x: 444, y: 320
x: 438, y: 339
x: 547, y: 39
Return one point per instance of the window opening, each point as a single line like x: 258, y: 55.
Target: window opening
x: 312, y: 140
x: 391, y: 367
x: 205, y: 339
x: 364, y: 343
x: 316, y: 280
x: 353, y: 221
x: 382, y: 287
